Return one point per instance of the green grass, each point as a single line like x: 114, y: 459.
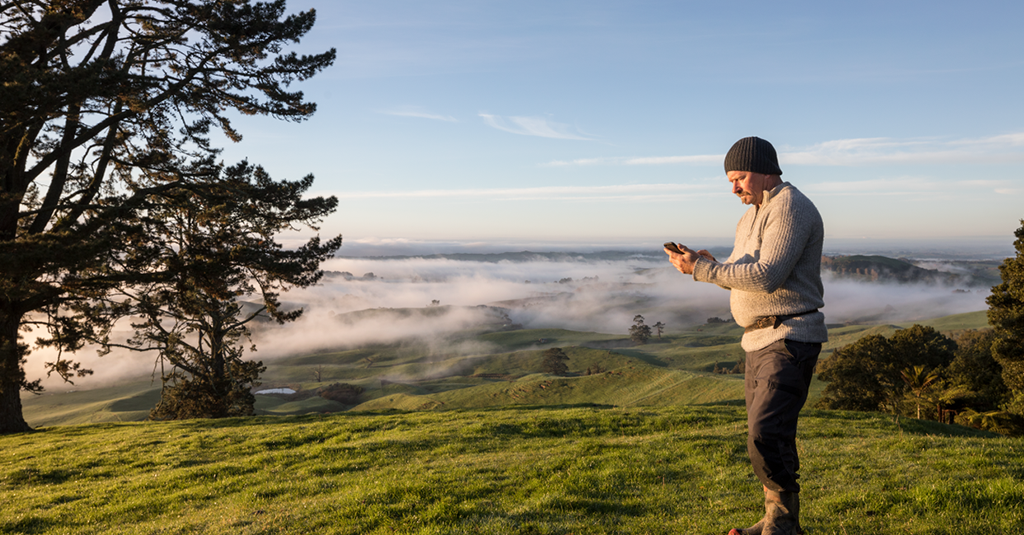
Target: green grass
x: 520, y: 470
x: 126, y: 402
x: 486, y: 369
x: 969, y: 320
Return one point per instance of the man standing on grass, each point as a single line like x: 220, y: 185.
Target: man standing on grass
x: 774, y: 279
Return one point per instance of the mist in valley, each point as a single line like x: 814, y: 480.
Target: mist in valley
x: 431, y: 300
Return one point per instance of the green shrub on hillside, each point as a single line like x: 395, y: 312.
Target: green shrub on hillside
x: 868, y: 374
x: 554, y: 361
x: 342, y: 393
x: 919, y: 372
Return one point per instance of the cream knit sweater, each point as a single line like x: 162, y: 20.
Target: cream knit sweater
x: 774, y: 269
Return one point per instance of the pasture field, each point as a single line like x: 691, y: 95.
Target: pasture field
x: 482, y: 369
x: 511, y: 470
x: 467, y: 435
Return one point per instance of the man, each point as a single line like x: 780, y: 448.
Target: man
x: 774, y: 278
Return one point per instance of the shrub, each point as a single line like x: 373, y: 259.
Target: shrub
x: 343, y: 393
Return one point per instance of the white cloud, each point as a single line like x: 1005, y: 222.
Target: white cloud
x: 585, y: 161
x: 856, y: 152
x: 912, y: 185
x: 534, y: 126
x: 902, y: 186
x: 629, y: 192
x: 421, y: 115
x: 653, y: 160
x: 703, y: 158
x: 868, y: 151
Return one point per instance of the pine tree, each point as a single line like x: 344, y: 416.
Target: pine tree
x: 213, y: 243
x: 92, y: 92
x: 1006, y: 315
x: 638, y: 332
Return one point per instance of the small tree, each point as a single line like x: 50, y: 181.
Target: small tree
x: 918, y: 380
x: 659, y: 328
x: 554, y: 361
x: 639, y: 333
x: 741, y: 366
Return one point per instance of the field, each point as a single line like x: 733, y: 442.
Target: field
x: 469, y: 436
x: 483, y: 369
x: 515, y: 470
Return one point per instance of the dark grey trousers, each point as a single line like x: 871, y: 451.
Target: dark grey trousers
x: 777, y: 379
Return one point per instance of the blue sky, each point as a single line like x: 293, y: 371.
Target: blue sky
x: 605, y: 123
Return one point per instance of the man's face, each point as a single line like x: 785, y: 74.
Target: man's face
x: 749, y: 187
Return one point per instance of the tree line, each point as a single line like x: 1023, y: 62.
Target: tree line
x: 975, y: 378
x: 114, y: 206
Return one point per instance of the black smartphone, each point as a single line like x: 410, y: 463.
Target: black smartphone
x: 671, y: 246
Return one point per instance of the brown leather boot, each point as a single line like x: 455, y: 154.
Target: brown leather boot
x: 776, y: 506
x: 782, y: 513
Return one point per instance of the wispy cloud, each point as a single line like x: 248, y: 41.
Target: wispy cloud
x: 869, y: 151
x: 618, y: 192
x: 912, y: 185
x: 653, y: 160
x: 876, y: 187
x: 421, y: 115
x: 857, y: 152
x: 534, y: 126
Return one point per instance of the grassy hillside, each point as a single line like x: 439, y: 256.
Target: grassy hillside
x: 477, y: 369
x: 956, y: 322
x: 528, y: 470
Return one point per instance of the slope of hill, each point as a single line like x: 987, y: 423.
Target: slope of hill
x: 874, y: 268
x: 520, y: 470
x: 477, y: 369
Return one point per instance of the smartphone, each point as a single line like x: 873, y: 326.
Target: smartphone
x: 671, y: 246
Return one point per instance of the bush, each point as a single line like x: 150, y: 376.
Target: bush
x: 553, y: 361
x: 343, y: 393
x: 868, y: 375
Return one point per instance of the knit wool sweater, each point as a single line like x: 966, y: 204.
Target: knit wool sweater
x: 774, y: 269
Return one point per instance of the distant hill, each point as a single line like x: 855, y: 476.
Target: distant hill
x: 531, y: 256
x: 875, y: 268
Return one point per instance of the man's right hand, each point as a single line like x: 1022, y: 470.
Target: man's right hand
x: 683, y: 262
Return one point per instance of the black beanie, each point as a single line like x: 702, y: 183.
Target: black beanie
x: 754, y: 155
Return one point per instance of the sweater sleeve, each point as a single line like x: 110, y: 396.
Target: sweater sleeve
x: 782, y: 242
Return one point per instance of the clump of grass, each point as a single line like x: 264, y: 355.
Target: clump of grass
x: 509, y: 470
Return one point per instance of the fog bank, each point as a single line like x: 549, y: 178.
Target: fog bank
x: 601, y: 296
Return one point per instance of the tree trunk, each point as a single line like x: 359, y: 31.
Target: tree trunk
x: 11, y: 376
